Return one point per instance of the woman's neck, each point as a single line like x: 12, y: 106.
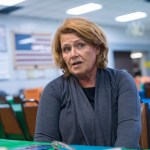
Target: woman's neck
x: 87, y: 84
x: 88, y: 80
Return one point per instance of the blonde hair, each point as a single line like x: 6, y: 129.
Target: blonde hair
x: 86, y: 30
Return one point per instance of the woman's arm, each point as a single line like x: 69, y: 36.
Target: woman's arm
x: 129, y: 113
x: 47, y: 120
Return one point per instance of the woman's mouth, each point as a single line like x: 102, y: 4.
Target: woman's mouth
x: 76, y: 64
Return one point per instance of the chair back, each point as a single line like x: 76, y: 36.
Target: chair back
x: 2, y: 100
x: 30, y: 112
x: 144, y: 138
x: 17, y: 99
x: 147, y: 90
x: 32, y: 93
x: 10, y: 123
x: 2, y: 134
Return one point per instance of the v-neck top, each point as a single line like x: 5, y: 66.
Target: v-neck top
x: 90, y: 93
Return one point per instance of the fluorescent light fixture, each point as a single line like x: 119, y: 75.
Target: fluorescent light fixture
x: 27, y: 41
x: 136, y: 55
x: 84, y: 9
x: 130, y: 17
x: 10, y: 2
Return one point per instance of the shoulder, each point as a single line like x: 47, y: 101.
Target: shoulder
x: 119, y: 78
x: 56, y: 88
x: 118, y: 74
x: 56, y: 83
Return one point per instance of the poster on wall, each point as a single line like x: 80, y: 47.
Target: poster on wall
x: 32, y: 51
x: 2, y: 39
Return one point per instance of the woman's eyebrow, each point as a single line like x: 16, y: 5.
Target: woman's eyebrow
x: 74, y: 42
x: 79, y: 40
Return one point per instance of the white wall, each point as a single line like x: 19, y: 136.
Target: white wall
x: 117, y: 39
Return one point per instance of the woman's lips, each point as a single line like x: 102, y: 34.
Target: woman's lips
x: 77, y: 64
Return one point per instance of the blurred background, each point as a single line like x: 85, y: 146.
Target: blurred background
x: 27, y: 29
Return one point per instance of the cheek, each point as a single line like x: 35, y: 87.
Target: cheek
x: 91, y: 56
x: 91, y: 59
x: 65, y: 58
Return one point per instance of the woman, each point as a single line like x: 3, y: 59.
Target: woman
x: 89, y: 104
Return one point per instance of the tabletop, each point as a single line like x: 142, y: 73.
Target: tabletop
x: 23, y: 145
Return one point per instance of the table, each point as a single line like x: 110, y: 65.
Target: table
x: 22, y: 145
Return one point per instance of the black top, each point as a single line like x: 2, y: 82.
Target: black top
x: 90, y: 93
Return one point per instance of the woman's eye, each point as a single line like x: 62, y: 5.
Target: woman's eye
x: 80, y: 45
x: 66, y: 49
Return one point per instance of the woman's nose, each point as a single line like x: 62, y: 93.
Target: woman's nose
x: 73, y: 52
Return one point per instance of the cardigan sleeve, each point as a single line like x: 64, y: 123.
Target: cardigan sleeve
x: 129, y: 112
x: 47, y: 120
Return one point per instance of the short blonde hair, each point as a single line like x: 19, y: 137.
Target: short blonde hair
x: 86, y: 30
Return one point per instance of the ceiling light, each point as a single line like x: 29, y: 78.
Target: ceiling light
x: 84, y: 9
x: 136, y: 55
x: 130, y: 17
x: 10, y: 2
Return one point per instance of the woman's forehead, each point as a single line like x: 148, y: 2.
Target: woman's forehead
x: 69, y: 37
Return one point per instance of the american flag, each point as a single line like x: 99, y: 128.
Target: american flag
x: 32, y: 50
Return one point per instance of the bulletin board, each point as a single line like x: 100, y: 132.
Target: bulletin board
x: 2, y: 39
x: 4, y: 62
x: 32, y: 50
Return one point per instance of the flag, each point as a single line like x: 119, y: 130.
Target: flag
x: 32, y: 50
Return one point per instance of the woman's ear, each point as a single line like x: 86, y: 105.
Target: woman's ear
x: 97, y: 51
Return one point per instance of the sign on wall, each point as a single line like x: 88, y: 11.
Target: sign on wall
x: 32, y: 51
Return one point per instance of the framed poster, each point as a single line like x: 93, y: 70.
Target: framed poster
x: 32, y: 51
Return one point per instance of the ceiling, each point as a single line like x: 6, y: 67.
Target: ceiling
x: 55, y: 9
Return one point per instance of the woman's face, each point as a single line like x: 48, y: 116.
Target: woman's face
x: 79, y: 56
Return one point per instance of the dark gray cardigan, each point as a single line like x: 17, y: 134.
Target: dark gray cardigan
x: 65, y: 114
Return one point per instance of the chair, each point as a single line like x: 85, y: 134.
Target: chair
x: 2, y: 134
x: 29, y: 112
x: 2, y: 99
x: 144, y: 138
x: 11, y: 126
x: 147, y: 90
x: 33, y: 93
x: 17, y: 99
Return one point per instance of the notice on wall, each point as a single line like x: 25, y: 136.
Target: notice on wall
x: 2, y: 39
x: 4, y: 66
x: 32, y: 51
